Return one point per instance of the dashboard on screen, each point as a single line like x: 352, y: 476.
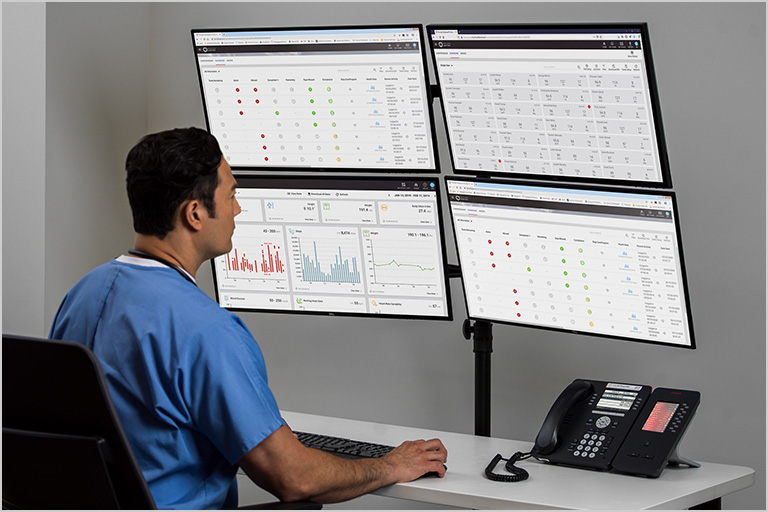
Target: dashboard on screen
x: 347, y: 246
x: 586, y: 260
x: 346, y: 98
x: 556, y: 102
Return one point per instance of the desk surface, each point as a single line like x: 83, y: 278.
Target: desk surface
x: 547, y: 487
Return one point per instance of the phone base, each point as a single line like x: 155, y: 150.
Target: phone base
x: 677, y: 460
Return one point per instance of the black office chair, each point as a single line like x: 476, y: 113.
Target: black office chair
x: 63, y: 444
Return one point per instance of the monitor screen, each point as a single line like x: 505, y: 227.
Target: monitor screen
x: 552, y: 102
x: 342, y: 245
x: 592, y: 260
x: 346, y: 98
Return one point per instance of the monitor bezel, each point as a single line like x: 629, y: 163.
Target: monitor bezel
x: 579, y: 186
x: 428, y: 107
x: 666, y: 177
x: 303, y: 179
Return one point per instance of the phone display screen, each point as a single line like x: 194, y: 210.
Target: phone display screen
x: 660, y: 416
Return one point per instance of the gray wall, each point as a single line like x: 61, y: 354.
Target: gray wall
x: 116, y: 71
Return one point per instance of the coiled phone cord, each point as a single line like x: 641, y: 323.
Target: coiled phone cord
x: 518, y: 474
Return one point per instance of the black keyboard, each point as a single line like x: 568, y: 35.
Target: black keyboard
x: 344, y: 447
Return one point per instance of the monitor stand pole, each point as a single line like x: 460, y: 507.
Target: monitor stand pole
x: 482, y: 335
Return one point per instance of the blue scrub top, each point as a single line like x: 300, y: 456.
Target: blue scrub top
x: 187, y: 378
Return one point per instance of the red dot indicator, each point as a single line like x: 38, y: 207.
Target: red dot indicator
x: 257, y: 101
x: 493, y: 265
x: 489, y: 241
x: 518, y: 314
x: 491, y: 253
x: 499, y: 160
x: 507, y: 243
x: 509, y: 255
x: 239, y: 101
x: 517, y: 303
x: 265, y: 147
x: 237, y: 89
x: 266, y: 158
x: 589, y: 106
x: 255, y: 89
x: 262, y: 135
x: 514, y: 290
x: 241, y: 112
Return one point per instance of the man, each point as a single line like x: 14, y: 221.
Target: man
x: 187, y: 378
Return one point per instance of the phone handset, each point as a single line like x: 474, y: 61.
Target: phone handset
x: 548, y: 438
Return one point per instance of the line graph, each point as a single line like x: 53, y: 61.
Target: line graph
x: 395, y: 261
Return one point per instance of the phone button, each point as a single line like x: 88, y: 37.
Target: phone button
x: 603, y: 421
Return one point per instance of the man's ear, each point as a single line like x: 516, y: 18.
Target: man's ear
x: 192, y: 214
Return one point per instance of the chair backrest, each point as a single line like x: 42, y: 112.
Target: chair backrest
x: 63, y: 445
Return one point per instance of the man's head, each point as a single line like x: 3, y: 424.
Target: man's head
x: 166, y: 169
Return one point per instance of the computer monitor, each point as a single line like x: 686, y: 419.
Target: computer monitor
x: 337, y: 245
x: 574, y: 102
x: 598, y: 261
x: 318, y: 98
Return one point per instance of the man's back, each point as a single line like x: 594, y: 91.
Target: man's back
x: 186, y: 377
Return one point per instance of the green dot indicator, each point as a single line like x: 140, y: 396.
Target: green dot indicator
x: 333, y: 124
x: 583, y: 274
x: 314, y: 113
x: 330, y: 101
x: 586, y: 288
x: 333, y: 113
x: 328, y: 89
x: 277, y: 112
x: 562, y: 248
x: 565, y: 273
x: 315, y: 125
x: 529, y: 269
x: 567, y: 285
x: 588, y: 299
x: 311, y: 101
x: 563, y: 260
x: 310, y: 89
x: 582, y: 262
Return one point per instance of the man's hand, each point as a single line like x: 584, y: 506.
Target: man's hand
x: 413, y: 459
x: 290, y: 471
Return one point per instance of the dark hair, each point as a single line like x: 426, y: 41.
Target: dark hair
x: 167, y: 168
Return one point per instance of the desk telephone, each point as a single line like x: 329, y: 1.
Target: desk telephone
x: 607, y: 425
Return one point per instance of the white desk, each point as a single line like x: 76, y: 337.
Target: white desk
x: 548, y: 486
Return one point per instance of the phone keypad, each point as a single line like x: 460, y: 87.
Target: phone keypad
x: 594, y: 443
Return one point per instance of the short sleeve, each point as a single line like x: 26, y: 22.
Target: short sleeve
x: 225, y: 388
